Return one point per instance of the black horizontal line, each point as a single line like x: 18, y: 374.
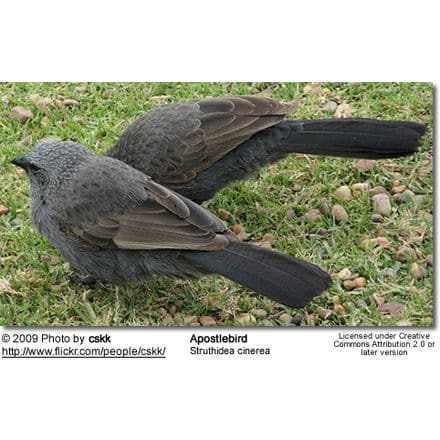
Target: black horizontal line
x: 83, y: 357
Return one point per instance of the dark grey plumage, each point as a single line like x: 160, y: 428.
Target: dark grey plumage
x: 116, y: 224
x: 196, y: 148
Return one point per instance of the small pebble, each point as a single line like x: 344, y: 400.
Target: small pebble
x: 381, y: 205
x: 325, y: 206
x: 159, y: 99
x: 361, y: 304
x: 296, y: 188
x: 418, y: 272
x: 20, y: 114
x: 40, y: 102
x: 240, y: 232
x: 391, y: 308
x: 344, y: 110
x: 314, y: 89
x: 330, y: 106
x: 109, y: 92
x: 268, y: 238
x: 297, y: 319
x: 343, y: 193
x: 427, y: 216
x: 364, y: 165
x: 344, y: 274
x: 5, y: 286
x: 370, y: 243
x: 290, y: 214
x: 162, y: 311
x: 16, y: 222
x: 3, y: 209
x: 390, y: 273
x: 223, y: 214
x: 360, y: 282
x: 398, y: 189
x: 313, y: 215
x: 419, y: 200
x: 349, y: 284
x: 178, y: 320
x: 285, y: 318
x: 358, y: 187
x: 54, y: 260
x: 259, y: 313
x: 70, y: 102
x: 376, y: 218
x: 377, y: 190
x: 207, y: 321
x: 245, y: 319
x: 383, y: 242
x: 339, y: 213
x: 190, y: 320
x: 323, y: 313
x: 406, y: 197
x: 339, y: 309
x: 404, y: 254
x: 310, y: 318
x: 168, y: 320
x: 335, y: 299
x: 429, y: 260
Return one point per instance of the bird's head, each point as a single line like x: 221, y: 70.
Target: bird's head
x: 50, y: 163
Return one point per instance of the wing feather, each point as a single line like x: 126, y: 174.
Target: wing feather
x: 163, y: 220
x: 174, y: 142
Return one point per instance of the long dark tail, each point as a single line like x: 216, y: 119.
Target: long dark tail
x: 282, y: 278
x: 356, y: 138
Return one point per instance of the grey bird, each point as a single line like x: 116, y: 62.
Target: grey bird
x: 116, y: 224
x: 197, y: 148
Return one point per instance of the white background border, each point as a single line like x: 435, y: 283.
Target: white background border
x: 305, y: 389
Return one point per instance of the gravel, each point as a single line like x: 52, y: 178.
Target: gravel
x: 381, y: 205
x: 20, y: 114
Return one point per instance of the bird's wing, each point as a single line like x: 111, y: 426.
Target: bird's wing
x: 174, y: 142
x: 163, y: 220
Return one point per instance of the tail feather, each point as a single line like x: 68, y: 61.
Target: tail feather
x: 282, y: 278
x: 357, y: 138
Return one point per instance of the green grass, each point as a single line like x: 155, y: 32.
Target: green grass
x: 41, y: 293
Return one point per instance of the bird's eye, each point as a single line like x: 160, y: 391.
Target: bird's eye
x: 38, y: 173
x: 33, y: 168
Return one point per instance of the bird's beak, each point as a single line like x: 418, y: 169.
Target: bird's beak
x: 20, y: 161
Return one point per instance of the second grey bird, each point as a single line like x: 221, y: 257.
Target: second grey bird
x: 116, y: 224
x: 198, y: 147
